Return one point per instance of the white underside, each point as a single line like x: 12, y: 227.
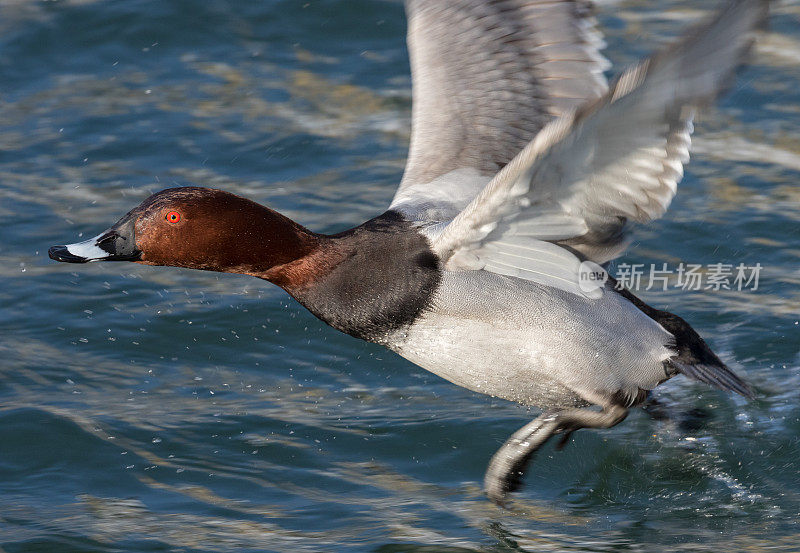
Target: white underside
x: 524, y: 342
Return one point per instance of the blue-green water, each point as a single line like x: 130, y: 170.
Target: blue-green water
x: 156, y: 409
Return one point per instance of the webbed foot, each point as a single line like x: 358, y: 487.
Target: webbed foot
x: 508, y: 465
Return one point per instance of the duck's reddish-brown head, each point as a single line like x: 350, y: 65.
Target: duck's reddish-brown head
x: 199, y: 228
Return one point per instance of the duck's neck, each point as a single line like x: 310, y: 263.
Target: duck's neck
x: 309, y: 258
x: 277, y: 251
x: 367, y: 282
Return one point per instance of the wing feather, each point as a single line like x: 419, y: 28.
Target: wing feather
x: 487, y: 76
x: 616, y: 160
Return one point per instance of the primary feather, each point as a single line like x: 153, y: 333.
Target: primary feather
x: 589, y: 172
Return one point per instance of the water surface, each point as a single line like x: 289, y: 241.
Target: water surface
x: 155, y: 409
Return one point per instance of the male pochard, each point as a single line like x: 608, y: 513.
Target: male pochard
x: 524, y: 174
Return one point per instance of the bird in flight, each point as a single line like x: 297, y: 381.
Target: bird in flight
x: 526, y: 172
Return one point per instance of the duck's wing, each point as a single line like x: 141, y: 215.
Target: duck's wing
x: 587, y: 173
x: 487, y: 76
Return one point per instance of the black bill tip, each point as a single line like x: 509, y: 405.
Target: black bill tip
x: 61, y: 253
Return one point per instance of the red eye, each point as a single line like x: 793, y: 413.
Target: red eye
x: 173, y: 217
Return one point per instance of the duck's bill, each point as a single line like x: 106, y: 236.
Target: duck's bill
x: 115, y: 244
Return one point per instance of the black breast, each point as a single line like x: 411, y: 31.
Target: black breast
x: 386, y: 279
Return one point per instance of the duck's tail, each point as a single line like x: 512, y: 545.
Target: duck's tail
x: 719, y: 376
x: 693, y: 357
x: 696, y: 360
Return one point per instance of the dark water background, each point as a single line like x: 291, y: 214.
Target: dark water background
x: 155, y: 409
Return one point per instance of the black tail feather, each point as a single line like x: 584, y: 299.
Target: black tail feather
x: 719, y: 376
x: 693, y: 357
